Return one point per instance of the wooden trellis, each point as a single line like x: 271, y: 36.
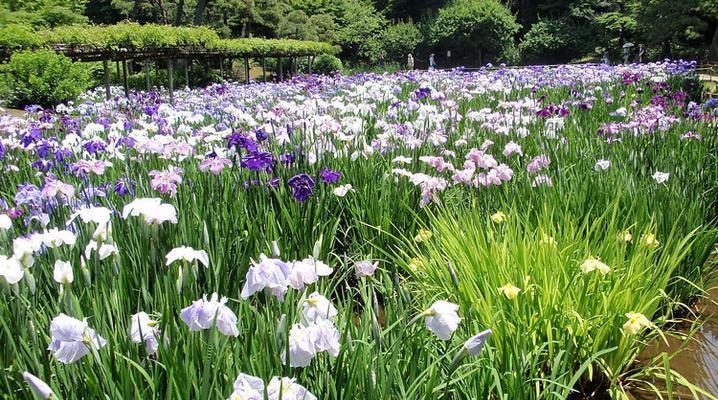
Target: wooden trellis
x: 167, y: 54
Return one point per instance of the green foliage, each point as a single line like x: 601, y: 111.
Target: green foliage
x: 360, y: 27
x: 135, y: 36
x: 673, y: 26
x: 562, y: 318
x: 327, y: 64
x: 19, y: 37
x: 470, y: 27
x: 297, y: 25
x: 42, y: 14
x: 400, y: 39
x: 285, y: 47
x: 554, y: 41
x: 75, y: 6
x: 43, y: 77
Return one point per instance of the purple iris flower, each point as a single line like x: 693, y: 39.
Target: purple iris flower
x: 237, y: 140
x: 104, y: 121
x: 260, y: 135
x: 43, y: 149
x: 62, y: 154
x: 31, y: 136
x: 94, y: 146
x: 43, y: 165
x: 287, y: 158
x: 2, y: 151
x: 126, y: 141
x: 302, y: 187
x: 125, y: 186
x: 258, y: 161
x: 329, y: 176
x: 28, y: 194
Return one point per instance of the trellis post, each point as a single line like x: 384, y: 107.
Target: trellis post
x: 246, y: 69
x: 147, y: 75
x: 310, y: 60
x: 106, y: 76
x: 186, y: 72
x: 264, y: 69
x: 221, y: 68
x: 281, y: 72
x: 117, y: 66
x: 170, y: 80
x: 295, y: 65
x: 125, y: 82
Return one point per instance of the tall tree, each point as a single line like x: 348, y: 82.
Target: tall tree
x: 199, y: 11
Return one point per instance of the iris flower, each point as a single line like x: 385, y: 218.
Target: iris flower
x: 203, y: 313
x: 72, y: 339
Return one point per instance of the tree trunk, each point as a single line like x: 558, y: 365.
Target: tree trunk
x: 713, y: 49
x: 199, y: 11
x: 163, y: 12
x: 180, y: 13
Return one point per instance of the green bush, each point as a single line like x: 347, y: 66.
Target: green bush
x: 326, y: 64
x: 474, y: 28
x: 555, y: 41
x: 400, y: 39
x: 43, y: 77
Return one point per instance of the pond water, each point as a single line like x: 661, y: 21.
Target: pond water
x: 698, y: 361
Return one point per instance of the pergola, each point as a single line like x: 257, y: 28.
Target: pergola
x: 144, y: 43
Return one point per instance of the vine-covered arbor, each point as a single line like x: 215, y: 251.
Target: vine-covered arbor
x: 144, y: 43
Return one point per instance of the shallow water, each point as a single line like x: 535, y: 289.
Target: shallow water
x: 698, y: 361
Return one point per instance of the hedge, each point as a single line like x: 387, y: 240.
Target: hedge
x: 134, y: 37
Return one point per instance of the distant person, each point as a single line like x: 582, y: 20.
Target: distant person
x: 641, y: 52
x: 432, y: 63
x: 606, y: 60
x: 410, y: 62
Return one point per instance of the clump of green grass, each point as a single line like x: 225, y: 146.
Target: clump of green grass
x: 565, y: 296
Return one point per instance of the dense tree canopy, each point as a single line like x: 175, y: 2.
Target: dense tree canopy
x: 379, y: 31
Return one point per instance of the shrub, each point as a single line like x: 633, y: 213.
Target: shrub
x: 43, y: 77
x: 474, y: 27
x: 555, y: 41
x: 326, y: 64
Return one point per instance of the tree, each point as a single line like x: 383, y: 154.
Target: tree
x: 675, y: 26
x: 472, y: 27
x: 42, y: 13
x: 401, y: 39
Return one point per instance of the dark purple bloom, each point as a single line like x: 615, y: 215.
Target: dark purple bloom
x: 257, y: 161
x: 14, y: 213
x: 43, y: 148
x: 62, y: 154
x: 94, y: 146
x: 126, y: 141
x: 422, y: 92
x: 125, y: 186
x: 288, y: 158
x: 237, y: 140
x: 274, y: 183
x: 104, y: 121
x: 329, y: 176
x: 302, y: 187
x: 2, y: 151
x: 260, y: 135
x: 43, y: 165
x: 31, y: 136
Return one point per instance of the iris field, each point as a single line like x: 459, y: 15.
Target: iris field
x: 496, y: 234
